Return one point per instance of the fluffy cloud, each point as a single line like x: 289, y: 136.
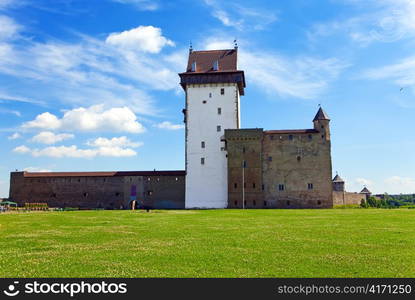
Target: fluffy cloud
x: 47, y: 137
x: 141, y: 4
x: 8, y: 28
x: 14, y: 136
x: 74, y: 152
x: 142, y: 38
x: 94, y: 118
x: 169, y: 126
x: 45, y: 121
x: 114, y: 147
x: 114, y: 142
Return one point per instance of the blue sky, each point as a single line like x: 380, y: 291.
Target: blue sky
x: 93, y: 85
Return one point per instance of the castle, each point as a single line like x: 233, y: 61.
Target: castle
x: 226, y: 166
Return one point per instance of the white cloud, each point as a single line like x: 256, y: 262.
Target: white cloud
x: 149, y: 5
x: 121, y: 141
x: 8, y: 28
x: 7, y: 97
x: 45, y: 120
x: 47, y: 137
x: 398, y: 185
x: 36, y: 169
x: 9, y: 3
x: 10, y: 111
x: 21, y: 149
x: 142, y: 38
x: 299, y: 77
x: 241, y: 17
x: 378, y: 21
x: 169, y: 126
x: 14, y: 136
x: 94, y: 118
x: 402, y: 73
x: 364, y: 182
x: 74, y: 152
x: 92, y: 70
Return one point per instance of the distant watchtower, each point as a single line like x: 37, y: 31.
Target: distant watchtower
x: 213, y: 86
x: 338, y: 184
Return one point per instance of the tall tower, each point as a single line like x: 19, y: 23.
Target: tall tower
x: 213, y: 86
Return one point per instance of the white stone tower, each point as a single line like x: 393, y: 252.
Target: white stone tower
x: 213, y: 85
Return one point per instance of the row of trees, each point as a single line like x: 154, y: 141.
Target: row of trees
x: 390, y: 201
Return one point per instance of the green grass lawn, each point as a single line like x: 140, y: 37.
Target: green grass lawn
x: 209, y: 243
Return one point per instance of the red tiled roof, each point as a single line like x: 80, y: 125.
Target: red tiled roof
x: 290, y: 131
x: 205, y: 59
x: 104, y: 174
x: 205, y: 74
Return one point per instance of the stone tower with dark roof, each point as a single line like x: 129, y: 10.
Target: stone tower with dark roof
x: 338, y: 184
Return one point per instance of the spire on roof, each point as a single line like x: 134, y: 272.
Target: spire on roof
x: 337, y: 178
x: 321, y: 115
x: 365, y: 191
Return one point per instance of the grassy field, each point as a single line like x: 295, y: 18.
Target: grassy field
x: 215, y: 243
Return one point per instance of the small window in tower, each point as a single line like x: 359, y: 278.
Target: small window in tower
x: 254, y: 202
x: 202, y: 161
x: 263, y: 187
x: 210, y: 95
x: 235, y: 185
x: 322, y: 136
x: 244, y: 184
x: 318, y: 202
x: 218, y: 128
x: 236, y: 203
x: 281, y: 187
x: 310, y: 137
x: 269, y: 158
x: 177, y: 179
x: 204, y: 101
x: 290, y: 137
x: 243, y: 149
x: 85, y: 194
x: 265, y: 203
x: 288, y: 203
x: 194, y: 66
x: 222, y: 91
x: 117, y: 194
x: 150, y: 193
x: 216, y: 65
x: 219, y: 111
x: 310, y: 186
x: 322, y: 126
x: 298, y: 158
x: 203, y: 144
x: 253, y: 185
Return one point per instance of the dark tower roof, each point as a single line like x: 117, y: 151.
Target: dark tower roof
x: 321, y: 115
x: 337, y: 178
x: 213, y: 66
x: 365, y: 191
